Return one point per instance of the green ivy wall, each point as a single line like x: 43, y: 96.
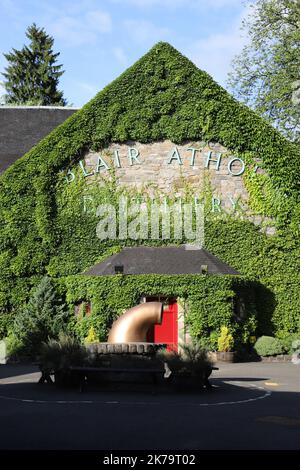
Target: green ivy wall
x: 208, y: 301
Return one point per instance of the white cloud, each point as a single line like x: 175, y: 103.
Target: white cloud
x: 143, y: 31
x: 204, y: 4
x: 83, y: 91
x: 215, y: 52
x: 149, y: 3
x: 71, y: 31
x: 9, y: 7
x: 120, y: 55
x: 215, y: 4
x: 87, y: 88
x: 76, y: 31
x: 99, y: 21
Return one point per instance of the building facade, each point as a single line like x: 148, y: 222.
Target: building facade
x: 163, y: 134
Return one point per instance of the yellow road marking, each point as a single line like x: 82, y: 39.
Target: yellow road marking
x: 272, y: 384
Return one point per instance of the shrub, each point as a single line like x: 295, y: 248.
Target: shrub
x: 225, y: 340
x: 6, y: 323
x: 287, y: 340
x: 91, y: 337
x: 44, y: 316
x: 209, y: 342
x: 192, y: 360
x: 14, y: 347
x: 268, y: 346
x: 62, y: 353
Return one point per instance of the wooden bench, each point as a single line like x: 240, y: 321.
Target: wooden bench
x: 45, y: 374
x: 83, y: 372
x: 209, y: 371
x: 167, y: 373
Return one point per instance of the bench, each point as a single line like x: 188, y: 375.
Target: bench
x: 83, y: 372
x: 207, y: 375
x: 45, y: 374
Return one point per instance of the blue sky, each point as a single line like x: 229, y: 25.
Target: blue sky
x: 99, y: 39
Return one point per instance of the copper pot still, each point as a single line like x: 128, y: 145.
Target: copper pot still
x: 134, y: 324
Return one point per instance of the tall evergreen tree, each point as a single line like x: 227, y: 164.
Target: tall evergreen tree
x: 33, y: 73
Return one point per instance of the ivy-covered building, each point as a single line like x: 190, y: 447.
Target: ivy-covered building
x: 162, y: 132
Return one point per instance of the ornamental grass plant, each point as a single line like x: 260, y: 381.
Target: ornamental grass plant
x: 192, y: 360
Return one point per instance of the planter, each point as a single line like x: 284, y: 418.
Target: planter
x: 277, y: 358
x: 187, y: 383
x: 225, y: 356
x: 3, y: 352
x: 66, y: 379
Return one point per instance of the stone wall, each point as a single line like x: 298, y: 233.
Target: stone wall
x: 167, y: 167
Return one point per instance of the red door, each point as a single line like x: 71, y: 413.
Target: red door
x: 167, y: 332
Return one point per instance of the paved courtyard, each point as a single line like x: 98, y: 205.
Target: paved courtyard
x: 251, y: 406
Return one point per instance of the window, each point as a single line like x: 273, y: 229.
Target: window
x: 83, y: 309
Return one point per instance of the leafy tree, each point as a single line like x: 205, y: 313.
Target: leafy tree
x: 32, y: 74
x: 43, y: 317
x: 266, y: 74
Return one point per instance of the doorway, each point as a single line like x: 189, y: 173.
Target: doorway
x: 167, y: 332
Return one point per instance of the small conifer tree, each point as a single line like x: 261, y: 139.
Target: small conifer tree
x: 91, y: 337
x: 43, y: 317
x: 225, y: 340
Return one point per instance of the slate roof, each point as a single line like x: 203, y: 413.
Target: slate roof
x: 161, y: 260
x: 22, y: 127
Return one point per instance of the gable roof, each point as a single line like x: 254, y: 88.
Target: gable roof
x: 22, y: 127
x: 161, y: 260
